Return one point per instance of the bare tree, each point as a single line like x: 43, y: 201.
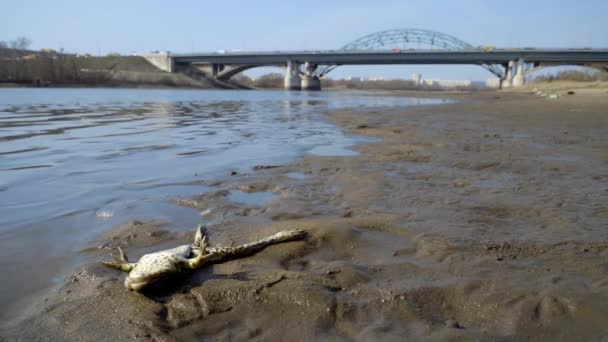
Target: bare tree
x: 243, y: 80
x: 3, y: 44
x: 272, y: 80
x: 21, y: 43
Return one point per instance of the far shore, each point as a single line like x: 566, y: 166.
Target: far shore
x: 159, y: 80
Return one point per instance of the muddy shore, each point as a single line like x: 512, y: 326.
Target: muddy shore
x: 484, y: 219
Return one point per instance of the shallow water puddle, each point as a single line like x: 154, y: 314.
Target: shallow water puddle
x: 297, y: 175
x: 252, y: 198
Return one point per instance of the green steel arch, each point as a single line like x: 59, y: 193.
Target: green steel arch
x: 409, y: 39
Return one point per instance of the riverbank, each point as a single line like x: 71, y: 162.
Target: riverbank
x: 483, y: 219
x: 125, y: 79
x: 50, y: 70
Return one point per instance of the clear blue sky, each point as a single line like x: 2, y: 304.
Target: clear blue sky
x: 135, y: 26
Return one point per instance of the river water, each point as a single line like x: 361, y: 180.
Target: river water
x: 74, y: 162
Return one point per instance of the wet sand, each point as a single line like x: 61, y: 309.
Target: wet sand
x: 486, y: 219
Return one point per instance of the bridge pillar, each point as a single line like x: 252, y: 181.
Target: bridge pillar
x: 507, y: 82
x: 519, y: 79
x: 292, y: 79
x: 310, y: 81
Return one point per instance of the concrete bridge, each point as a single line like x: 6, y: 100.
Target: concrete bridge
x: 305, y: 69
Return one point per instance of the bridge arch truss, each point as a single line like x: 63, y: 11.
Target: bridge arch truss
x: 408, y: 39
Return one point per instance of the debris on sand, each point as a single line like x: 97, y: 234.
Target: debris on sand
x: 265, y: 167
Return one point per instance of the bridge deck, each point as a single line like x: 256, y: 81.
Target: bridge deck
x: 546, y: 56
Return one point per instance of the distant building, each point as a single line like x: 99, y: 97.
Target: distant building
x: 493, y: 82
x: 448, y: 83
x: 376, y: 79
x: 417, y: 78
x: 353, y: 78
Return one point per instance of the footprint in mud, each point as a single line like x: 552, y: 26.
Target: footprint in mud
x: 183, y: 309
x: 434, y: 247
x: 550, y: 308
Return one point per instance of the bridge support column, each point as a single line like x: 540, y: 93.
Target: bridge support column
x: 310, y: 81
x: 292, y: 79
x: 507, y: 82
x: 519, y: 79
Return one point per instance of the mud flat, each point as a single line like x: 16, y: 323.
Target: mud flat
x: 485, y: 219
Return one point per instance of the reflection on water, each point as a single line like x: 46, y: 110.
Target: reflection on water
x: 76, y: 161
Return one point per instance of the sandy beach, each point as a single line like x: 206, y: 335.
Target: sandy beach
x: 483, y: 219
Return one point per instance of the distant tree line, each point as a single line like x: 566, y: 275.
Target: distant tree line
x: 47, y: 66
x: 20, y: 65
x: 573, y: 75
x: 275, y: 81
x: 19, y: 43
